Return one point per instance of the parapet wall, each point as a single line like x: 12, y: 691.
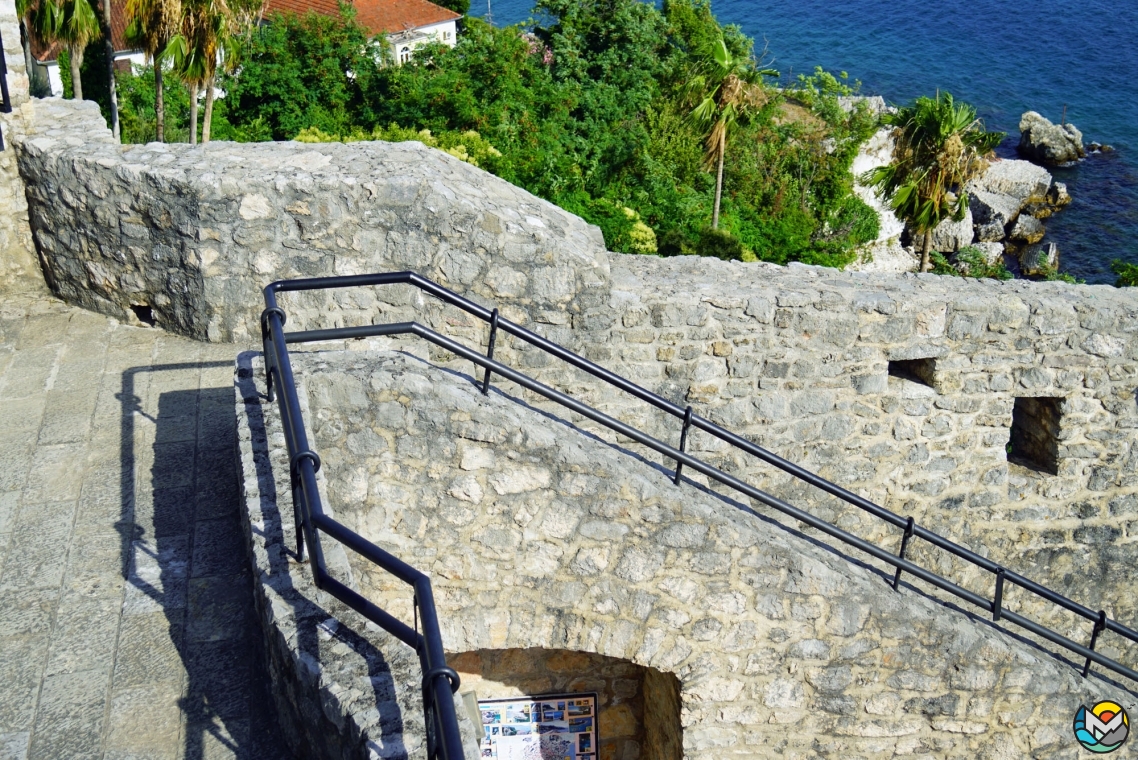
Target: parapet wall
x: 538, y: 535
x: 798, y: 359
x: 189, y: 235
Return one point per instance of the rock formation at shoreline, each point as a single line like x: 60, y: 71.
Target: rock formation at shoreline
x: 1004, y: 209
x: 1048, y: 143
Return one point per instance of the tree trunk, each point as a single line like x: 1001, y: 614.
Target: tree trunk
x: 719, y: 181
x: 76, y: 63
x: 111, y: 84
x: 159, y: 101
x: 208, y: 110
x: 926, y: 245
x: 193, y: 114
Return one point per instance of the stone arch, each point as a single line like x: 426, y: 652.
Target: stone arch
x: 638, y: 707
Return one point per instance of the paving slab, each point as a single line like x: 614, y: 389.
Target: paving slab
x: 126, y: 625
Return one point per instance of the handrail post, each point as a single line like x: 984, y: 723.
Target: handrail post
x: 266, y: 341
x: 904, y: 545
x: 683, y: 443
x: 490, y: 350
x: 299, y: 516
x: 1100, y: 625
x: 998, y: 602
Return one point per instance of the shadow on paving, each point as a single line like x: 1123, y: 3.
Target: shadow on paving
x: 189, y: 598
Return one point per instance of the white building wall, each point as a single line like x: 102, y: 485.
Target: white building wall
x: 404, y: 44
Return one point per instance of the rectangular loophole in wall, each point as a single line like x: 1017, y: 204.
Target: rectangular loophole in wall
x: 914, y: 370
x: 1035, y: 434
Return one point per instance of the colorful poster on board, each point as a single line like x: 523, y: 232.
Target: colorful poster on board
x: 550, y: 727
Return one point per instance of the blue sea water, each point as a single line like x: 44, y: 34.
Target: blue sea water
x: 1002, y: 57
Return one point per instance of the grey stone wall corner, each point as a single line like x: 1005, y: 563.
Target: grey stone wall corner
x: 18, y: 89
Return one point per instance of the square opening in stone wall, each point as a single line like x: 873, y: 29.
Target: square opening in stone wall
x: 144, y: 313
x: 1034, y: 441
x: 914, y: 370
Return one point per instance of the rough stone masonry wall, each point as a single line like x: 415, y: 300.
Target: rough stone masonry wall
x: 195, y: 232
x: 18, y: 266
x: 343, y: 688
x: 796, y: 359
x: 538, y: 535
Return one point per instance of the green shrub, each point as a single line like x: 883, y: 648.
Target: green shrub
x: 468, y: 146
x: 1051, y: 274
x: 969, y: 261
x: 719, y: 244
x: 1127, y: 273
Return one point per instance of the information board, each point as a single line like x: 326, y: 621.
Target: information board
x: 548, y: 727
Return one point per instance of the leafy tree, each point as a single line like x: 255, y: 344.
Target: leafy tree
x: 108, y: 73
x: 205, y: 30
x: 458, y: 6
x: 138, y: 101
x: 938, y: 146
x: 304, y: 71
x: 1127, y: 273
x: 586, y: 107
x: 725, y: 90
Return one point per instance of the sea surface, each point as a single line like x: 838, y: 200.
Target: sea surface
x: 1004, y: 58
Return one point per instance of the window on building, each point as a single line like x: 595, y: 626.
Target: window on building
x: 404, y: 54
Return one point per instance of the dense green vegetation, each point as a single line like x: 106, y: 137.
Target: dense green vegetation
x: 969, y: 261
x: 587, y: 107
x: 1127, y: 273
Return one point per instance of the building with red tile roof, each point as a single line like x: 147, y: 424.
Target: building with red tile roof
x: 408, y: 24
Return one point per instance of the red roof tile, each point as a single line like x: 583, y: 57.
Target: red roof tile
x: 300, y: 7
x: 400, y: 15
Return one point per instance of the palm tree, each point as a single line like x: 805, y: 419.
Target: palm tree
x: 152, y: 24
x: 724, y: 91
x: 71, y: 22
x: 938, y: 146
x: 195, y: 52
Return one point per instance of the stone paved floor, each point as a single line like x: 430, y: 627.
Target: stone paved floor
x: 126, y: 628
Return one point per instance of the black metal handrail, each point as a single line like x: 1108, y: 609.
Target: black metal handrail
x: 439, y: 681
x: 1002, y: 576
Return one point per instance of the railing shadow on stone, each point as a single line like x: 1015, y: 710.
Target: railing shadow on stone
x: 881, y: 571
x: 278, y: 367
x: 187, y: 617
x: 298, y: 662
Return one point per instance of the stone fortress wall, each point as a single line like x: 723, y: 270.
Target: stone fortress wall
x: 18, y: 265
x: 540, y: 538
x: 799, y: 359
